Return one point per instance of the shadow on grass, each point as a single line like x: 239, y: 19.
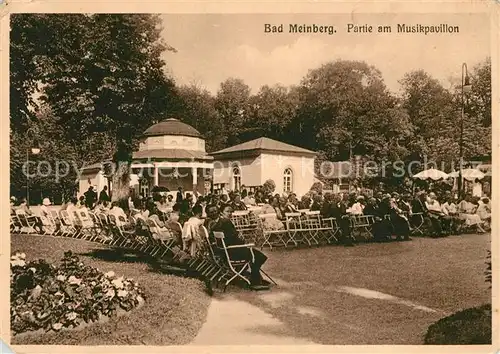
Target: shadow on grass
x: 118, y: 255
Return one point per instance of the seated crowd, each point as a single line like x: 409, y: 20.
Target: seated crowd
x: 392, y: 215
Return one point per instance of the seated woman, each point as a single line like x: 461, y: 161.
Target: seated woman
x: 271, y: 222
x: 436, y: 214
x: 118, y: 213
x: 191, y: 237
x: 173, y: 224
x: 31, y: 215
x: 467, y: 212
x: 290, y: 206
x: 450, y: 208
x: 399, y: 220
x: 13, y: 206
x: 357, y: 207
x: 484, y: 212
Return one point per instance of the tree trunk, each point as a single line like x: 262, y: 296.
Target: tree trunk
x: 121, y: 184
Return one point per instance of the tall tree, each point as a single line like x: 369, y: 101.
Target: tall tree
x: 479, y: 101
x: 27, y: 45
x: 105, y: 74
x: 271, y: 111
x: 197, y: 108
x: 232, y: 104
x: 346, y: 110
x: 435, y: 113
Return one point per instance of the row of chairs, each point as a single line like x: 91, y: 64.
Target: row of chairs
x: 137, y: 234
x: 307, y: 228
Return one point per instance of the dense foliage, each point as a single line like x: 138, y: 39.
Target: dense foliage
x: 470, y: 326
x: 100, y: 76
x: 50, y: 297
x: 99, y: 80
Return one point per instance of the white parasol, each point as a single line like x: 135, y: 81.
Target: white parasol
x: 431, y: 173
x: 470, y: 174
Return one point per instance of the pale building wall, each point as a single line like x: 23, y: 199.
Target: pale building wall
x: 251, y: 173
x: 273, y: 167
x: 255, y: 171
x: 98, y: 181
x: 173, y: 142
x: 91, y: 178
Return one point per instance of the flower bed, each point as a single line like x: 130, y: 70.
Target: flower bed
x: 49, y: 297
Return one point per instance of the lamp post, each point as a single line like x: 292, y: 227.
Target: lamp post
x: 466, y: 87
x: 35, y: 150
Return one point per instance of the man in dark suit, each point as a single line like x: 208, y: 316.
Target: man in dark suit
x: 343, y: 221
x: 418, y: 206
x: 180, y: 196
x: 237, y: 204
x: 222, y: 223
x: 90, y: 198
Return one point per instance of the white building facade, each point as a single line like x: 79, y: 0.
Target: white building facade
x: 254, y: 162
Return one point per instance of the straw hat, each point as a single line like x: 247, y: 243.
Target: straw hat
x: 46, y: 201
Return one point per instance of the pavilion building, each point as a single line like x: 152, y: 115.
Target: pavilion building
x: 171, y: 155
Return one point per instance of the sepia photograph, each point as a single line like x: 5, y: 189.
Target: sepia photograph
x: 208, y: 179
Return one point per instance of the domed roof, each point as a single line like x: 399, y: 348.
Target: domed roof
x: 172, y: 126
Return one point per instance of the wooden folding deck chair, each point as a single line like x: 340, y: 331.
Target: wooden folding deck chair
x: 417, y: 223
x: 247, y: 225
x: 15, y: 224
x: 239, y: 268
x: 271, y: 237
x: 362, y: 226
x: 28, y: 222
x: 206, y: 262
x: 331, y: 230
x: 163, y: 239
x: 311, y: 221
x: 296, y: 231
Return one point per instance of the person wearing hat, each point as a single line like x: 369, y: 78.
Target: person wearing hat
x: 438, y: 218
x: 90, y: 198
x: 484, y: 212
x: 237, y: 204
x: 44, y: 210
x: 358, y: 206
x: 30, y: 215
x: 13, y: 201
x: 399, y: 219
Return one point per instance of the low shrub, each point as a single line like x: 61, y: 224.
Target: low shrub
x: 45, y: 296
x: 470, y: 326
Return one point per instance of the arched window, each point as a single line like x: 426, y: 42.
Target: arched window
x: 236, y: 178
x: 288, y: 180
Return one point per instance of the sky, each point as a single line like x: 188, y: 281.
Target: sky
x: 212, y: 47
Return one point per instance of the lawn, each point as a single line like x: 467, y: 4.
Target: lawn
x: 174, y: 311
x: 373, y: 293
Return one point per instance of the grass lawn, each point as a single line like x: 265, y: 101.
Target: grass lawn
x: 173, y: 313
x: 426, y: 279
